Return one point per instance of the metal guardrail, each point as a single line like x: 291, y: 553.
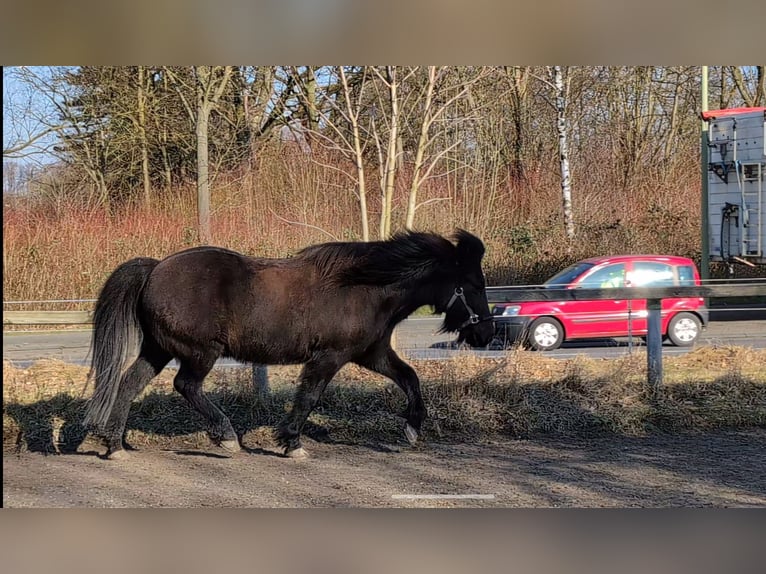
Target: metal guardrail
x: 652, y: 295
x: 47, y: 317
x: 494, y: 295
x: 507, y: 294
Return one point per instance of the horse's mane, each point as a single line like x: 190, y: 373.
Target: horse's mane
x: 403, y: 259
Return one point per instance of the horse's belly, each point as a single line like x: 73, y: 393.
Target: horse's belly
x: 293, y: 345
x: 269, y: 348
x: 264, y: 356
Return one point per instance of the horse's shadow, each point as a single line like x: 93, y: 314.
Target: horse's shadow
x: 352, y: 416
x: 53, y: 426
x: 49, y: 426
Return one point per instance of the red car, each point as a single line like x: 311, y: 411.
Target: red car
x: 545, y: 325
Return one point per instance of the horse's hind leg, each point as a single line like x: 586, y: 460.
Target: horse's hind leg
x: 386, y: 362
x: 314, y: 379
x: 150, y: 361
x: 188, y: 382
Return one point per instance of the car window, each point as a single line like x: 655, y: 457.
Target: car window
x: 565, y: 277
x: 651, y: 274
x: 686, y: 275
x: 606, y: 277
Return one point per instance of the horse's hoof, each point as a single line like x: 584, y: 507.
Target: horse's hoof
x: 410, y: 433
x: 118, y: 455
x: 299, y: 452
x: 231, y: 446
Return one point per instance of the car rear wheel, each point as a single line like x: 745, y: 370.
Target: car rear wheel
x: 684, y: 329
x: 545, y: 334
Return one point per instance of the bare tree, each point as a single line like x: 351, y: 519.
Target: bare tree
x: 258, y: 95
x: 750, y: 84
x: 210, y: 82
x: 352, y: 112
x: 437, y: 99
x: 78, y: 139
x: 388, y: 160
x: 338, y: 108
x: 672, y: 128
x: 141, y: 121
x: 517, y: 78
x: 29, y: 115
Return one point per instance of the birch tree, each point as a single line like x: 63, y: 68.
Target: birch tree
x: 559, y: 79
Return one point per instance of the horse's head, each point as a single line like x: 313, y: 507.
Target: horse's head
x: 467, y: 310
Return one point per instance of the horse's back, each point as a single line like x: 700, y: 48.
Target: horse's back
x: 194, y: 293
x: 215, y: 298
x: 252, y: 309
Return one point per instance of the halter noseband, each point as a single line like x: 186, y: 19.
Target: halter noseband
x: 473, y: 318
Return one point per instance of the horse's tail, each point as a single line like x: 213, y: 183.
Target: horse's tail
x: 116, y: 335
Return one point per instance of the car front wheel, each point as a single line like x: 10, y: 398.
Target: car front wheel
x: 684, y: 329
x: 545, y: 334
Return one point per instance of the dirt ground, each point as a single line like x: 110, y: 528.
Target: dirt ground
x: 721, y: 469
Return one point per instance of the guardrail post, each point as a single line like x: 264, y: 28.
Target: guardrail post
x: 260, y: 379
x: 654, y: 343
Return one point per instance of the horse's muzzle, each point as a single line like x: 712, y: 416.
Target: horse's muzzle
x: 478, y: 334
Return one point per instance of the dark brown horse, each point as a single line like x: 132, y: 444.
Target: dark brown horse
x: 329, y: 305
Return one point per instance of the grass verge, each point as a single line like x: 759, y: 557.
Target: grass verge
x: 468, y: 398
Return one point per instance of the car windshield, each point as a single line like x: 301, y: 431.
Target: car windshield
x: 565, y: 277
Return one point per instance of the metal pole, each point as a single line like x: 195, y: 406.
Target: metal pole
x: 654, y: 343
x: 704, y: 160
x: 260, y: 379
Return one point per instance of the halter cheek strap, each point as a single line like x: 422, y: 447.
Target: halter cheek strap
x: 473, y: 318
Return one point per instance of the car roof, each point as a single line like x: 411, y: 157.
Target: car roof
x: 671, y: 259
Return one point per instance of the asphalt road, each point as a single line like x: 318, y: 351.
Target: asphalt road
x: 416, y: 337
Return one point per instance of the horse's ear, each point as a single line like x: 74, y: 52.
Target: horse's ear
x: 470, y: 249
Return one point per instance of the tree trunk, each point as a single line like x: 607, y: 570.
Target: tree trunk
x: 412, y: 202
x: 671, y: 136
x: 518, y: 80
x: 360, y: 179
x: 142, y: 137
x: 209, y: 89
x: 390, y: 174
x: 561, y: 128
x: 353, y: 119
x: 739, y: 82
x: 166, y: 167
x: 311, y: 102
x: 203, y: 181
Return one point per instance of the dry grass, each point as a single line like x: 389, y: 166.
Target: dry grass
x: 468, y: 398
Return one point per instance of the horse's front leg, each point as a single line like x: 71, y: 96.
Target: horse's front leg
x: 314, y: 378
x: 386, y: 362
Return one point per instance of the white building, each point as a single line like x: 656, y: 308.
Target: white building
x: 736, y: 172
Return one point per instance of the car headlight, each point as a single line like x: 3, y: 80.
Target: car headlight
x: 511, y: 311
